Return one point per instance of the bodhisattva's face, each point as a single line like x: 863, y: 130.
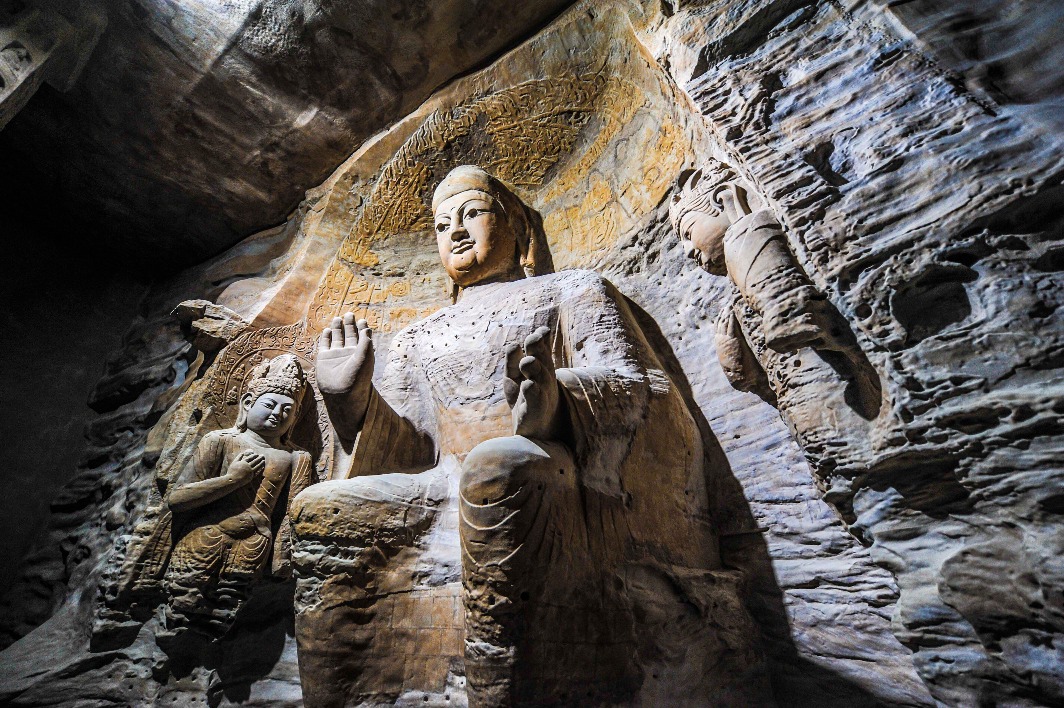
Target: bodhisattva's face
x: 476, y: 242
x: 702, y: 235
x: 270, y: 415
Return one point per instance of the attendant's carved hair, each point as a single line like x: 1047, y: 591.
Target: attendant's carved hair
x: 699, y: 190
x: 526, y: 222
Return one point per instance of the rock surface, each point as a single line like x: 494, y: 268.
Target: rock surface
x: 42, y: 43
x: 194, y: 124
x: 906, y: 557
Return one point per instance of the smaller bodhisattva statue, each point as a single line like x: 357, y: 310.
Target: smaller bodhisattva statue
x: 711, y: 212
x: 224, y: 505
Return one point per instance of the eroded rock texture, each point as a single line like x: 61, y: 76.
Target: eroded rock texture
x: 892, y: 503
x: 933, y: 232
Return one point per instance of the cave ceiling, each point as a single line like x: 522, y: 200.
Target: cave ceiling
x: 195, y: 123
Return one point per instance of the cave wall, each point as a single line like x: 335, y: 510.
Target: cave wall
x: 928, y: 217
x: 934, y: 233
x: 194, y: 124
x: 61, y: 322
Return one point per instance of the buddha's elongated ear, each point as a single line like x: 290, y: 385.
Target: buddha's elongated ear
x: 246, y: 402
x: 523, y: 241
x: 532, y: 245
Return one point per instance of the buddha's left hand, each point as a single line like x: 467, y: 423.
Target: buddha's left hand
x: 536, y: 400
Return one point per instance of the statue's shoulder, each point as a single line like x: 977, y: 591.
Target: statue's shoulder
x: 408, y: 335
x: 578, y: 280
x: 299, y: 455
x: 215, y: 442
x: 219, y: 437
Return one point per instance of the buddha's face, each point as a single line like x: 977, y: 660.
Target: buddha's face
x: 477, y: 243
x: 270, y: 415
x: 702, y: 234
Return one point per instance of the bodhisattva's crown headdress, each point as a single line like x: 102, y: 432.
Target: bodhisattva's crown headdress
x: 282, y: 374
x: 697, y: 190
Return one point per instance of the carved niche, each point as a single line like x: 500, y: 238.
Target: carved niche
x: 215, y: 524
x: 527, y: 517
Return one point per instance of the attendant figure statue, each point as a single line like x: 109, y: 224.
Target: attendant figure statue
x: 711, y: 213
x: 224, y: 511
x: 524, y: 448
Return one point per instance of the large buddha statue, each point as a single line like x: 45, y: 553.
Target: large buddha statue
x: 526, y: 520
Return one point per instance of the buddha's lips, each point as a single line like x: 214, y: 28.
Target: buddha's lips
x: 461, y: 247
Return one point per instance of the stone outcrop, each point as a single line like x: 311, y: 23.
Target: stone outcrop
x: 41, y: 43
x: 891, y: 501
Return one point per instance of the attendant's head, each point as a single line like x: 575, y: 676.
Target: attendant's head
x: 270, y: 405
x: 698, y: 214
x: 484, y: 232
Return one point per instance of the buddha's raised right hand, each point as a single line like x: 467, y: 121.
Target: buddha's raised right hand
x: 343, y: 367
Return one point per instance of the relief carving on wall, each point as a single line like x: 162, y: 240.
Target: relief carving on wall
x: 519, y: 133
x: 550, y: 139
x: 218, y: 523
x: 776, y: 311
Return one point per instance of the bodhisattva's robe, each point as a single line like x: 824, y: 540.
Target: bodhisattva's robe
x: 761, y: 265
x: 570, y: 567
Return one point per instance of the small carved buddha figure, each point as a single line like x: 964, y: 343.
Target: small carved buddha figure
x: 525, y: 454
x: 226, y: 507
x: 711, y: 213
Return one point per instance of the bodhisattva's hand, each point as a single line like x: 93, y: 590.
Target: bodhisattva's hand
x: 247, y: 464
x: 728, y: 340
x: 733, y: 201
x: 727, y: 326
x: 534, y: 393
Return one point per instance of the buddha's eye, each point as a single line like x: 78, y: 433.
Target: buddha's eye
x: 441, y: 227
x: 475, y: 212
